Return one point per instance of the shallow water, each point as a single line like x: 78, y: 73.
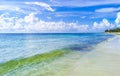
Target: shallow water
x: 58, y: 67
x: 103, y: 60
x: 14, y: 46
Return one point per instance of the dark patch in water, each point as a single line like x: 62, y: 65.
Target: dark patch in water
x: 79, y: 48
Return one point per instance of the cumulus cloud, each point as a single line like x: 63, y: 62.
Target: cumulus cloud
x: 117, y: 21
x: 103, y: 25
x: 30, y: 18
x: 42, y: 26
x: 41, y: 4
x: 37, y: 25
x: 3, y: 24
x: 107, y: 9
x: 31, y: 23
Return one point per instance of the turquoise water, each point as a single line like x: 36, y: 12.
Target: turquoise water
x: 13, y: 46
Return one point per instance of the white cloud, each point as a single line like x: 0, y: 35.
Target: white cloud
x: 43, y: 26
x: 3, y: 24
x: 31, y: 23
x: 11, y: 8
x: 44, y: 5
x: 117, y: 21
x: 103, y: 25
x: 107, y: 9
x: 30, y: 18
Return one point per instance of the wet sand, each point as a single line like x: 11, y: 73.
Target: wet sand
x: 104, y: 60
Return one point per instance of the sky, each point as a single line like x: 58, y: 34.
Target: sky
x: 58, y: 16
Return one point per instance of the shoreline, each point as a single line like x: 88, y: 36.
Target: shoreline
x: 115, y: 33
x: 102, y: 61
x: 62, y: 63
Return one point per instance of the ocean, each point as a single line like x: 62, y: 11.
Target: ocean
x: 15, y: 46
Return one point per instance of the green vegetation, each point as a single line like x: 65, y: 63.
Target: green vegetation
x: 15, y: 64
x: 113, y: 30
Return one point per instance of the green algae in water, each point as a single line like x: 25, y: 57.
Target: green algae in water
x: 15, y: 64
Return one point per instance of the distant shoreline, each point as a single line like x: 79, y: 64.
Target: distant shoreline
x: 116, y: 33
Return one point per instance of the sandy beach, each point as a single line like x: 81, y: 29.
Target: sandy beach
x: 102, y: 61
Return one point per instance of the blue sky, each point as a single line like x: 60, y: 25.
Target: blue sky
x: 41, y: 16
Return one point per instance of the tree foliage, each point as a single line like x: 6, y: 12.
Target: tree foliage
x: 113, y: 30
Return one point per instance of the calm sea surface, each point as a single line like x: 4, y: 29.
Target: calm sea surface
x: 13, y: 46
